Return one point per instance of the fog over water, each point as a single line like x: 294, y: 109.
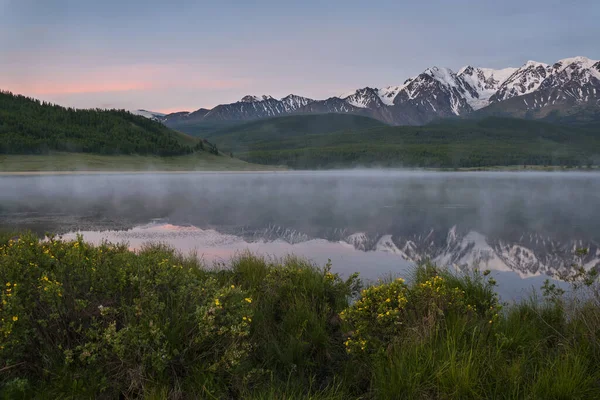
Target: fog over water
x: 526, y: 222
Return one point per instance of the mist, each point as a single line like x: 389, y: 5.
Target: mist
x: 317, y: 204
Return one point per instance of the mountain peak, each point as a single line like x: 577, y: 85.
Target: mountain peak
x: 364, y: 98
x: 531, y: 63
x: 576, y: 60
x: 466, y: 70
x: 253, y: 99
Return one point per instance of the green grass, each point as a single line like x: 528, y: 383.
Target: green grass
x: 82, y: 321
x: 202, y: 161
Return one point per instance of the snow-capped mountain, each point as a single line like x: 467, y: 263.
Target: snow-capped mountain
x: 567, y: 86
x: 364, y: 98
x: 251, y: 107
x: 534, y: 90
x: 524, y: 80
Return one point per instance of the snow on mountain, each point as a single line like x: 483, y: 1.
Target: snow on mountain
x: 568, y: 83
x: 365, y: 98
x: 579, y: 69
x: 438, y: 91
x: 388, y: 94
x: 253, y: 99
x: 484, y: 82
x: 293, y: 102
x: 255, y: 107
x: 524, y: 80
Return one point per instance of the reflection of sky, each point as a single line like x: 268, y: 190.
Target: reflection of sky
x: 212, y: 246
x: 184, y: 54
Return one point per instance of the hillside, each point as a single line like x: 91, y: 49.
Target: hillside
x: 491, y: 141
x: 28, y: 126
x: 269, y: 133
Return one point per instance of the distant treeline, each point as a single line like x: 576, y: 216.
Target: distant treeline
x: 447, y: 144
x: 30, y: 126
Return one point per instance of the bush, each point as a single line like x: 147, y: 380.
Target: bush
x: 390, y: 313
x: 89, y: 320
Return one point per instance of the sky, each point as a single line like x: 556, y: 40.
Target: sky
x: 183, y: 55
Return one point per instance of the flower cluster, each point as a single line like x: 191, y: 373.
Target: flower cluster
x: 377, y: 315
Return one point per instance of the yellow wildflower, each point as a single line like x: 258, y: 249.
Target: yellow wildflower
x: 233, y: 286
x: 248, y: 300
x: 7, y: 284
x: 15, y: 318
x: 217, y: 302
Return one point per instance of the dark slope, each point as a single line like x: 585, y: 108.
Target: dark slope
x: 450, y: 143
x: 271, y: 132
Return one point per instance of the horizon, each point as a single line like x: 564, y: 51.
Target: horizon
x: 185, y: 56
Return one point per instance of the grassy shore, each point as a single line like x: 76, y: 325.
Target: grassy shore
x: 93, y: 162
x: 80, y: 321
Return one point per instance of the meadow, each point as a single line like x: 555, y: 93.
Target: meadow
x: 86, y: 162
x: 82, y: 321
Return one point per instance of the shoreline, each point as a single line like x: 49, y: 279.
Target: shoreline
x: 279, y: 171
x: 132, y: 172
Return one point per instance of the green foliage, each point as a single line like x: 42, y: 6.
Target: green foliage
x: 28, y: 126
x: 88, y: 320
x: 83, y: 321
x: 447, y: 144
x: 240, y: 134
x: 297, y: 306
x: 390, y: 313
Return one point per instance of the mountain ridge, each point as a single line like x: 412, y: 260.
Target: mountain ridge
x: 435, y: 93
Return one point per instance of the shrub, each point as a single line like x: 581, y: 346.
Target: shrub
x: 89, y: 320
x: 389, y: 313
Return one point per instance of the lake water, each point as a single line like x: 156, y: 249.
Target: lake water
x: 524, y: 226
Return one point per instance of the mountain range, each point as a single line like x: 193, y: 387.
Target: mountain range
x: 534, y: 90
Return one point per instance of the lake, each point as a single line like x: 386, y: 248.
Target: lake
x: 525, y: 226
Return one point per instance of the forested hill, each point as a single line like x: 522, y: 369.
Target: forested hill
x: 490, y: 141
x: 29, y: 126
